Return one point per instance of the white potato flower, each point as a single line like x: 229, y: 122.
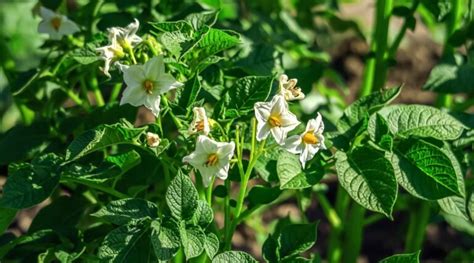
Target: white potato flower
x: 145, y: 83
x: 309, y: 142
x: 211, y: 158
x: 289, y: 90
x: 111, y: 53
x: 200, y: 122
x: 274, y: 117
x: 56, y: 25
x: 122, y: 40
x: 152, y: 139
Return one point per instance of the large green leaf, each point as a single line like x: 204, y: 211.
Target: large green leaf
x: 127, y: 243
x: 261, y: 195
x: 247, y: 91
x: 368, y: 177
x: 165, y: 239
x: 424, y: 170
x: 291, y: 175
x: 182, y: 197
x: 403, y: 258
x: 365, y: 106
x: 123, y: 211
x: 439, y: 8
x: 234, y: 256
x: 420, y: 120
x: 102, y: 137
x: 32, y: 183
x: 22, y: 142
x: 214, y: 41
x: 8, y: 214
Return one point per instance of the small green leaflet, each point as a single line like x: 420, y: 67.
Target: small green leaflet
x: 127, y: 243
x: 247, y: 91
x: 192, y: 239
x: 203, y: 215
x: 211, y: 245
x: 234, y: 256
x: 182, y: 197
x: 367, y: 175
x: 403, y: 258
x: 165, y: 239
x: 419, y: 120
x: 291, y: 175
x: 32, y: 183
x: 102, y: 137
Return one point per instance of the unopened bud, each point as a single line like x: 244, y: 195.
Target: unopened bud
x: 152, y: 139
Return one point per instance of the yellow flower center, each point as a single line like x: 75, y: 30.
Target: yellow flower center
x: 56, y: 23
x: 274, y: 121
x: 124, y: 43
x: 148, y: 86
x: 199, y: 126
x: 310, y: 138
x: 118, y: 52
x: 212, y: 159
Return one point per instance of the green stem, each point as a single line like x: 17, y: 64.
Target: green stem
x: 96, y: 90
x: 99, y: 187
x: 209, y: 192
x: 27, y: 115
x: 227, y: 234
x: 176, y: 121
x: 330, y: 212
x: 419, y: 219
x: 401, y: 34
x: 115, y: 92
x: 375, y: 72
x: 353, y: 234
x: 73, y: 97
x: 335, y: 236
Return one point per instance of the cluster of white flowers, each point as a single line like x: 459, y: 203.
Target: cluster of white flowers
x: 275, y: 117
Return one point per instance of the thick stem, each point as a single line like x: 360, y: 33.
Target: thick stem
x: 419, y: 219
x: 335, y: 245
x: 353, y: 234
x: 375, y: 72
x: 330, y: 212
x: 97, y: 93
x: 398, y: 39
x: 227, y: 234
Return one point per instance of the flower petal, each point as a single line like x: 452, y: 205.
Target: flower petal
x: 223, y: 172
x: 263, y: 129
x: 226, y: 150
x: 293, y: 144
x: 154, y: 68
x: 279, y: 105
x: 68, y: 27
x: 279, y: 135
x: 134, y: 76
x: 206, y: 145
x: 46, y: 13
x: 152, y: 102
x: 133, y: 96
x: 45, y: 27
x: 166, y: 82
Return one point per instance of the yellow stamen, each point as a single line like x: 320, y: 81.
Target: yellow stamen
x: 124, y: 44
x: 310, y: 138
x: 274, y: 121
x: 148, y: 86
x: 56, y: 23
x: 199, y: 126
x: 212, y: 159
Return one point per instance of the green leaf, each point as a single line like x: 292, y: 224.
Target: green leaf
x: 380, y: 132
x: 86, y: 55
x: 438, y: 8
x: 102, y: 137
x: 420, y: 120
x: 192, y: 239
x: 123, y: 211
x: 247, y: 91
x: 211, y: 245
x: 234, y: 256
x: 215, y: 41
x: 182, y: 197
x: 403, y: 258
x: 8, y: 214
x: 292, y: 176
x: 270, y: 249
x: 452, y: 75
x: 203, y: 215
x: 165, y: 239
x: 180, y: 26
x: 31, y: 183
x: 364, y: 106
x: 127, y: 243
x: 189, y: 93
x: 424, y: 170
x: 199, y: 20
x: 40, y: 236
x: 261, y: 195
x: 296, y: 238
x: 369, y: 179
x: 22, y: 142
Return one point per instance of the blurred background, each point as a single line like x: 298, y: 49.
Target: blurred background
x: 323, y: 43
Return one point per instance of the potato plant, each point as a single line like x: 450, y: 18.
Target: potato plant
x: 157, y: 131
